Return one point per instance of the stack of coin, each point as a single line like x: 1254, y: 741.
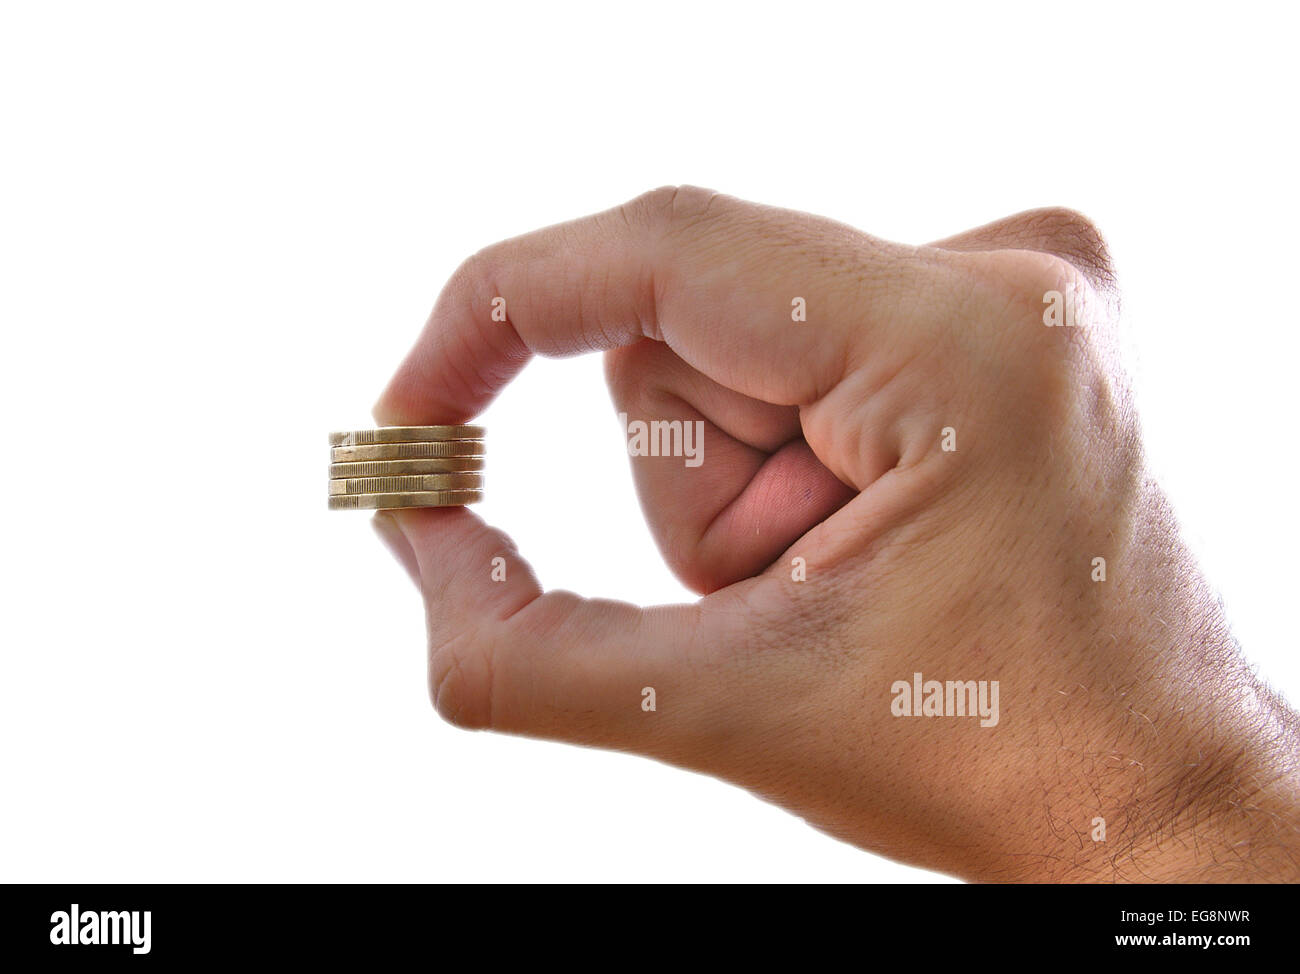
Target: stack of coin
x: 406, y: 466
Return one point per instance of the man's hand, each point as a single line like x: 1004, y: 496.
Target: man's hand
x: 916, y: 475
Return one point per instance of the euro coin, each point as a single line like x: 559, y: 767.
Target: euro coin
x: 405, y: 468
x: 408, y: 451
x: 406, y: 434
x: 390, y: 501
x: 392, y: 485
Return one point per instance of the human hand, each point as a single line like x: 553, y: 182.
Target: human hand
x: 918, y: 478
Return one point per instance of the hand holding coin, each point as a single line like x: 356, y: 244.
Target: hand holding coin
x: 908, y: 478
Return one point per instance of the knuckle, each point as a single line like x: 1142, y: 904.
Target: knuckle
x: 460, y: 685
x: 622, y: 372
x: 1074, y: 237
x: 672, y: 206
x: 474, y: 268
x: 689, y: 561
x: 1014, y: 283
x: 1043, y: 367
x: 473, y: 283
x: 633, y: 371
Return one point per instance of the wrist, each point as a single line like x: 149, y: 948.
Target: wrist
x: 1215, y: 806
x: 1167, y: 760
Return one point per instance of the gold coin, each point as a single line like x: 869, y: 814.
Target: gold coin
x: 421, y: 498
x: 408, y: 451
x: 386, y: 485
x: 405, y: 468
x: 406, y: 434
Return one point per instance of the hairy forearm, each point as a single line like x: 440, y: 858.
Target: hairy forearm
x: 1167, y: 759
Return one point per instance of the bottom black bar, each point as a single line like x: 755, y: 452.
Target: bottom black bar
x: 131, y: 926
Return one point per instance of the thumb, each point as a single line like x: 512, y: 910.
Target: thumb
x: 505, y: 656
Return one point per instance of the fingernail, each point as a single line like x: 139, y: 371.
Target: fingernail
x: 390, y: 533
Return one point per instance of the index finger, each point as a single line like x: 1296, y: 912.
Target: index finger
x: 764, y: 301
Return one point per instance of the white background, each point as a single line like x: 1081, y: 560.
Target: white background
x: 222, y: 225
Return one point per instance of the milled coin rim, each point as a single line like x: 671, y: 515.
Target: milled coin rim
x: 458, y: 480
x: 423, y: 450
x: 406, y: 434
x: 405, y: 468
x: 393, y: 501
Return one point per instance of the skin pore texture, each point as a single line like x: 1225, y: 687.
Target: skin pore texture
x: 945, y: 468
